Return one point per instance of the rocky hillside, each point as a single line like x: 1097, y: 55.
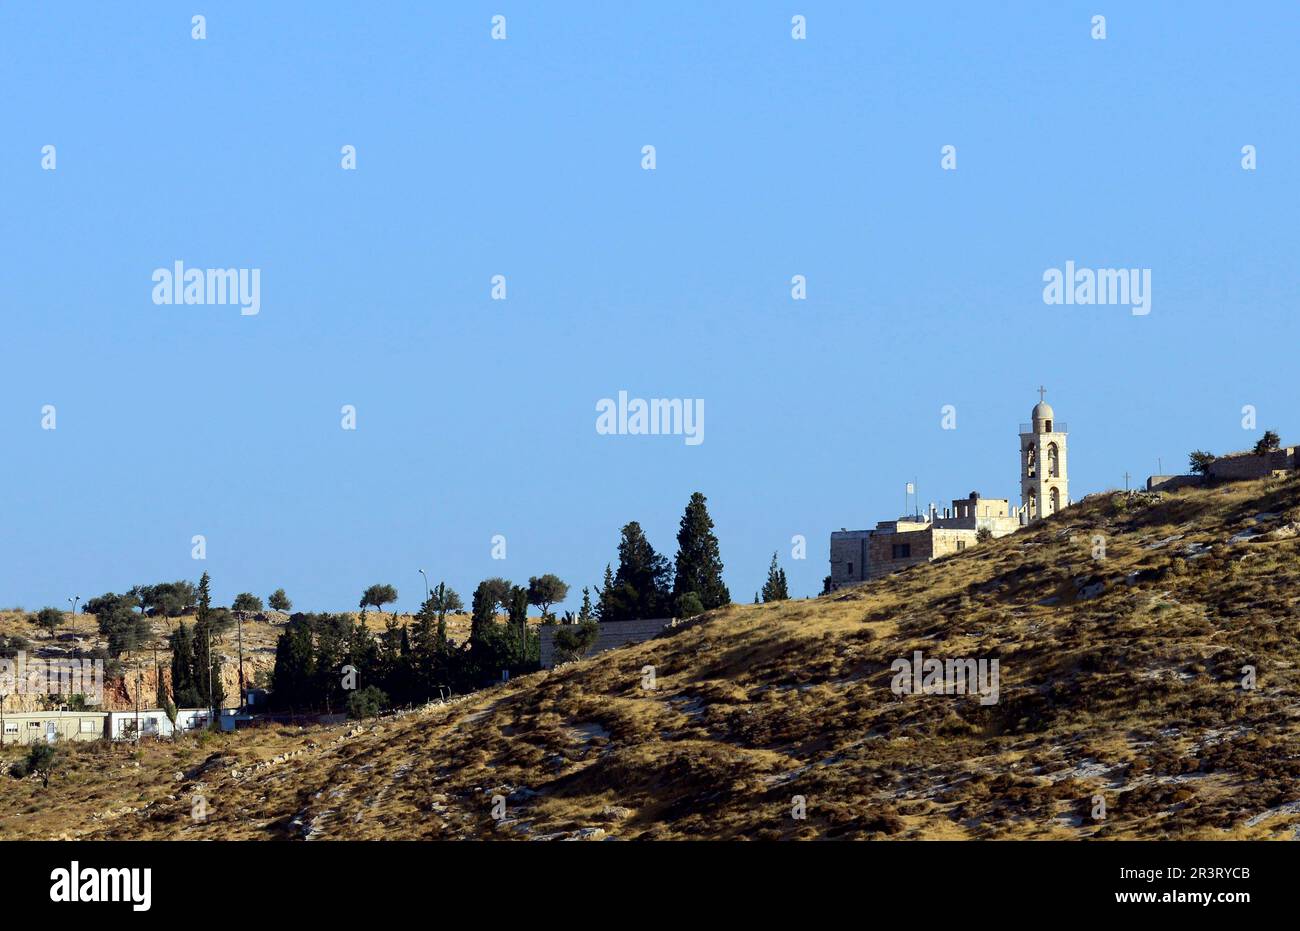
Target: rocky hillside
x: 78, y: 636
x: 1120, y: 678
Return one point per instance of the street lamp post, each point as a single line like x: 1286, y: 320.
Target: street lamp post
x: 74, y: 603
x: 426, y: 585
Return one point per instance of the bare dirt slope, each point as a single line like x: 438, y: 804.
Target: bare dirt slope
x: 1120, y: 678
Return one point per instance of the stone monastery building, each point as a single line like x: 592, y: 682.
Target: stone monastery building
x: 860, y: 555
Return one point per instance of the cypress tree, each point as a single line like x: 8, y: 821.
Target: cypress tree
x: 184, y: 690
x: 362, y: 653
x: 488, y: 594
x: 425, y: 646
x: 390, y: 661
x: 207, y: 664
x: 332, y: 635
x: 605, y: 597
x: 161, y: 697
x: 443, y: 601
x: 699, y: 562
x: 517, y: 608
x: 293, y: 678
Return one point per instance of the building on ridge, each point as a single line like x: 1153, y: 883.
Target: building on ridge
x: 861, y: 555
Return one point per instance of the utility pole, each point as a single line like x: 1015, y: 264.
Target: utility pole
x: 1126, y: 480
x: 137, y: 699
x: 243, y: 697
x: 212, y: 714
x: 159, y: 690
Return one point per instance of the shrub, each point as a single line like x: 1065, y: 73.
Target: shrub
x: 48, y: 620
x: 367, y: 702
x: 42, y: 760
x: 688, y: 604
x: 572, y: 642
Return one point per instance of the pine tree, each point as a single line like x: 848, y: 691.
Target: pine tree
x: 640, y: 586
x: 775, y: 589
x: 585, y: 613
x: 699, y: 562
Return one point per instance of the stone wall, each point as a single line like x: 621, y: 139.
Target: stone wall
x: 1248, y: 465
x: 1234, y: 467
x: 610, y: 636
x: 849, y: 557
x: 880, y: 551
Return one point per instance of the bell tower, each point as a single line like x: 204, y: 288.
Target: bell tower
x: 1044, y: 481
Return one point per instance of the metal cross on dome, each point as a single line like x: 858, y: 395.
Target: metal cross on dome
x: 1041, y: 392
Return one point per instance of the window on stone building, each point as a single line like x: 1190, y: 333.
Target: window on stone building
x: 961, y: 545
x: 1053, y: 463
x: 902, y: 550
x: 850, y: 568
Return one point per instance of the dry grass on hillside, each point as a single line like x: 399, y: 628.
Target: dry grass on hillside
x: 1119, y: 677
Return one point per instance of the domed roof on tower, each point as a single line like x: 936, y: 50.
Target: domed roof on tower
x: 1043, y: 415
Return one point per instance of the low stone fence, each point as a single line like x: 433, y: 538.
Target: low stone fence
x: 1173, y: 482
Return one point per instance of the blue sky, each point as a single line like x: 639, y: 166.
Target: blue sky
x: 522, y: 157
